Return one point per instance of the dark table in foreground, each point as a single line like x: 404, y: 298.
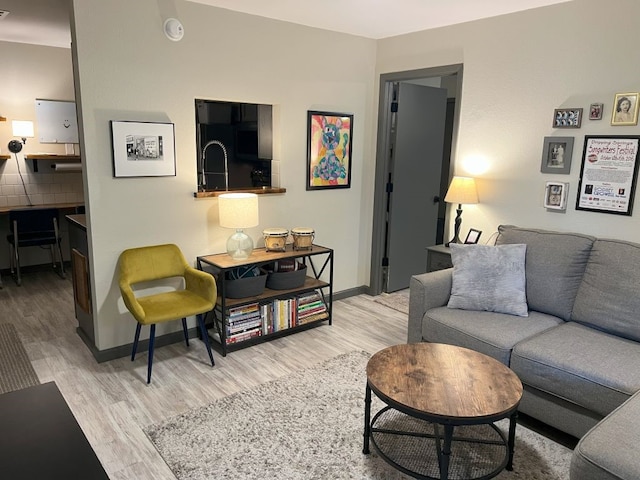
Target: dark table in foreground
x: 41, y: 439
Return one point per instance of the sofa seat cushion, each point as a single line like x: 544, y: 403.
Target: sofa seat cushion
x: 582, y: 365
x: 608, y: 296
x: 609, y: 451
x: 491, y: 333
x: 555, y: 263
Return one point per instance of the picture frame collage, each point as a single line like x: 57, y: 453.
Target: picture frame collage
x: 602, y: 155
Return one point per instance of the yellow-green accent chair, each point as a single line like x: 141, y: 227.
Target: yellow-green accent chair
x: 157, y: 262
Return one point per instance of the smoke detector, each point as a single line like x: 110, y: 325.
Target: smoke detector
x: 3, y: 13
x: 173, y: 29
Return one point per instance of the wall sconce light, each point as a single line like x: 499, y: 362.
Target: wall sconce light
x: 173, y: 29
x: 238, y: 210
x: 22, y: 129
x: 461, y: 190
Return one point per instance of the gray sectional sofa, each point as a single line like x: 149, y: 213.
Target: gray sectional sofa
x: 577, y: 352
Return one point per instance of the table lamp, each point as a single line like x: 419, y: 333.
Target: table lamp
x: 23, y: 129
x: 238, y: 210
x: 461, y: 190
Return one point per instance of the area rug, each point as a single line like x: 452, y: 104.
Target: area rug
x: 16, y: 371
x: 397, y: 300
x: 307, y: 425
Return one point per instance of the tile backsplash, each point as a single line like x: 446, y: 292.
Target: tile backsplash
x: 40, y: 188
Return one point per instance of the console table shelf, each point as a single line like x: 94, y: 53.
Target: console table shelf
x: 318, y: 259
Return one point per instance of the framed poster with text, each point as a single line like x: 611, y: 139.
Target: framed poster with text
x: 608, y: 174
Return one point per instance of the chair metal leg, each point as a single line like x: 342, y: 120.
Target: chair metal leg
x: 61, y: 273
x: 18, y: 277
x: 135, y: 341
x: 184, y: 329
x: 205, y: 337
x: 152, y: 337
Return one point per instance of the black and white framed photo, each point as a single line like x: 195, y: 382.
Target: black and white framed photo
x: 555, y: 195
x: 473, y: 236
x: 143, y: 149
x: 625, y: 109
x: 556, y: 155
x: 609, y: 173
x: 567, y: 117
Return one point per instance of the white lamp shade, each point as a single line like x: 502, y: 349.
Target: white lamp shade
x: 22, y: 128
x: 238, y: 210
x: 462, y: 190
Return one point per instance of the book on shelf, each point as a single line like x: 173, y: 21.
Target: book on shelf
x: 312, y: 318
x: 241, y: 337
x: 244, y: 326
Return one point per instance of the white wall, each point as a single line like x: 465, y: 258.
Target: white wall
x: 128, y: 70
x: 517, y: 69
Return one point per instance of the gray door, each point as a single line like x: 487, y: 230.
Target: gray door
x: 415, y: 176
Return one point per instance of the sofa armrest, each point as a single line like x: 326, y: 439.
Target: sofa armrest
x: 426, y: 291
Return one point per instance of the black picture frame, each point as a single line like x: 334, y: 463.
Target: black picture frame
x: 143, y: 149
x: 609, y: 174
x: 473, y: 236
x: 329, y: 153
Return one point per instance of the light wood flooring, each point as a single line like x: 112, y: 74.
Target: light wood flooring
x: 112, y: 402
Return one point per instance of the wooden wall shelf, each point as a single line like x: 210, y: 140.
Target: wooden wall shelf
x: 50, y: 157
x: 259, y: 191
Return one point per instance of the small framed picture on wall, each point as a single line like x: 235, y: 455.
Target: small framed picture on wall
x: 595, y: 111
x: 556, y: 155
x: 567, y: 117
x: 555, y: 195
x: 625, y: 109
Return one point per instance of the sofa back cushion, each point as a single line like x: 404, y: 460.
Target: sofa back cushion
x: 555, y: 264
x: 608, y: 296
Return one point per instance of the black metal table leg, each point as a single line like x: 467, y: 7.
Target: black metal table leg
x: 512, y: 439
x: 446, y: 452
x: 367, y: 419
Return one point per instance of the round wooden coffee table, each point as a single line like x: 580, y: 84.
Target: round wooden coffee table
x: 429, y: 390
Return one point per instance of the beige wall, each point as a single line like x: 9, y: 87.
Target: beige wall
x: 517, y: 69
x: 128, y: 70
x: 30, y: 72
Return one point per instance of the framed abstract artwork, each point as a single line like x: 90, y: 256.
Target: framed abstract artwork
x: 143, y: 149
x: 329, y: 155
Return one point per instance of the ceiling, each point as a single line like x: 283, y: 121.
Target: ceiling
x: 46, y: 22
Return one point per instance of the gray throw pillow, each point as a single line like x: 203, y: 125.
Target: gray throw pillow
x: 489, y: 278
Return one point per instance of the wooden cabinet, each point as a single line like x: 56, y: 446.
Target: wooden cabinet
x: 438, y: 258
x: 226, y: 331
x: 80, y: 274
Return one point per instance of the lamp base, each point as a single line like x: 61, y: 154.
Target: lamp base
x: 239, y: 245
x: 458, y: 222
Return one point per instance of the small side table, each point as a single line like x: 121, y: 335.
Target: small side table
x: 438, y: 258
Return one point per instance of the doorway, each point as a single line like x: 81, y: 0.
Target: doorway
x: 411, y: 176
